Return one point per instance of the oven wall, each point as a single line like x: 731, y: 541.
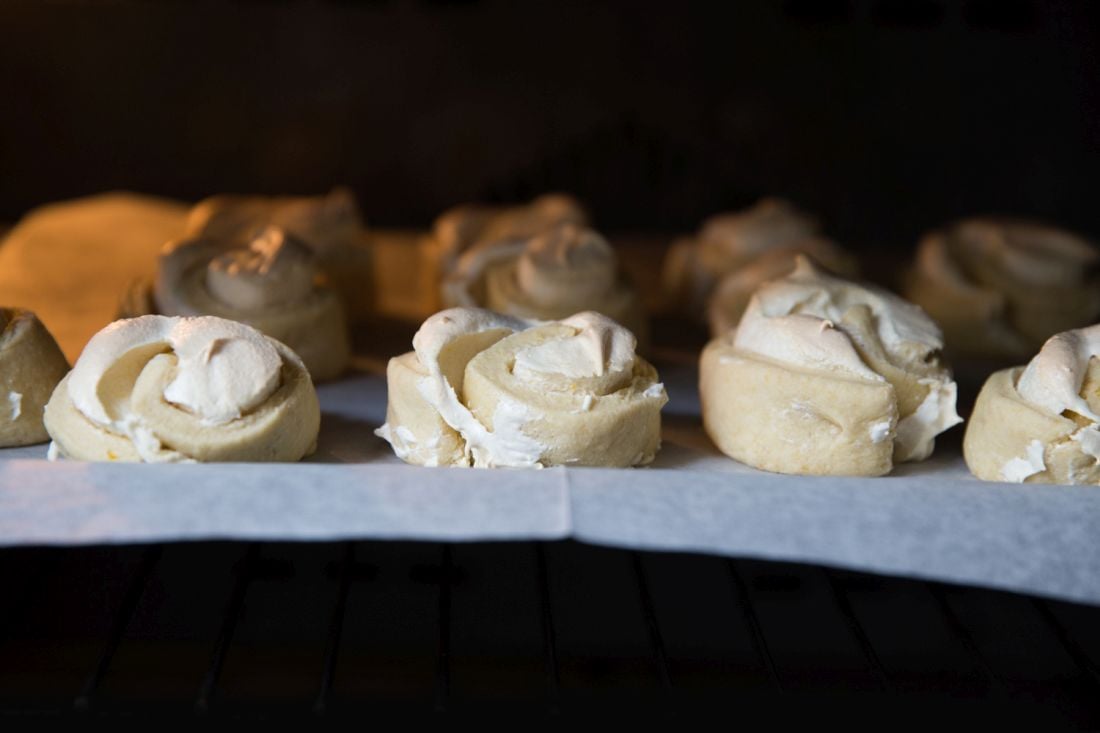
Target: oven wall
x: 885, y: 116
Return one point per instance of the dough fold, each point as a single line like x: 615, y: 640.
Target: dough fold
x: 1000, y: 287
x: 482, y: 389
x: 31, y: 365
x: 269, y: 281
x: 828, y: 377
x: 564, y: 270
x: 160, y: 389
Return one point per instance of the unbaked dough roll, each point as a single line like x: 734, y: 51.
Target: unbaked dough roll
x: 1000, y: 288
x: 31, y: 365
x: 159, y: 389
x: 565, y: 270
x: 330, y: 225
x: 728, y: 242
x: 826, y: 376
x: 1041, y: 423
x: 268, y: 281
x: 483, y: 389
x: 480, y: 226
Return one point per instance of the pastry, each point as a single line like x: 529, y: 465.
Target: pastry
x: 162, y: 389
x: 1041, y: 423
x: 330, y: 225
x: 728, y: 242
x: 476, y: 225
x: 1000, y: 287
x: 484, y: 389
x: 825, y: 376
x: 31, y: 365
x: 561, y: 271
x: 268, y: 281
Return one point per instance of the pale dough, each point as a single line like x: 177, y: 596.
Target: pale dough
x: 31, y: 365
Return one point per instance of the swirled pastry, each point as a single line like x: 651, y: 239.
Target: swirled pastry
x: 483, y: 389
x: 268, y: 281
x: 1041, y: 423
x: 826, y: 376
x: 465, y: 227
x: 330, y: 225
x: 564, y: 270
x: 161, y: 389
x: 31, y: 365
x: 728, y: 242
x: 1000, y: 288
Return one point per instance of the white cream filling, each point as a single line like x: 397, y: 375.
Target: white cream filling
x: 15, y: 404
x: 1016, y: 470
x: 1088, y: 438
x: 880, y: 431
x: 1053, y: 379
x: 599, y: 346
x: 801, y: 340
x: 916, y: 433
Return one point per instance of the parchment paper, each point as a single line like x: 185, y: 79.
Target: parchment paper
x: 929, y: 520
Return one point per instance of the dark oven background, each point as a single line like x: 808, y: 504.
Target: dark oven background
x: 884, y: 116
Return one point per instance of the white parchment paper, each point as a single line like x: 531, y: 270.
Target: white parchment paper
x: 929, y: 520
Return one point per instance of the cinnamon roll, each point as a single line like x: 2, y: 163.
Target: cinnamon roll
x: 1000, y: 287
x: 160, y: 389
x: 729, y: 242
x: 483, y: 389
x: 269, y: 281
x: 1041, y: 423
x: 330, y: 225
x: 477, y: 225
x: 826, y: 376
x: 31, y: 365
x: 562, y: 271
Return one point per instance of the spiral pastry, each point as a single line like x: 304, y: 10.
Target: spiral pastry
x: 825, y: 376
x: 330, y: 225
x: 470, y: 226
x: 160, y: 389
x: 728, y: 242
x: 269, y: 282
x: 31, y: 365
x: 483, y: 389
x: 562, y: 271
x: 1041, y: 423
x: 1000, y: 288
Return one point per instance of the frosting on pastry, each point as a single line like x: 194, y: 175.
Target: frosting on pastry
x: 823, y: 323
x: 741, y: 235
x: 271, y: 269
x: 581, y: 358
x: 224, y: 369
x: 1053, y: 379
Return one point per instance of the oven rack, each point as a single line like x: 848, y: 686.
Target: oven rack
x: 338, y: 631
